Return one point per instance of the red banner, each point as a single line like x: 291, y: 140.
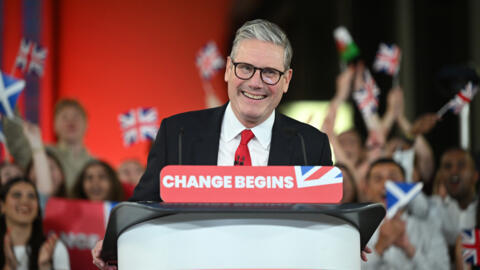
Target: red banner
x: 251, y: 184
x: 79, y: 224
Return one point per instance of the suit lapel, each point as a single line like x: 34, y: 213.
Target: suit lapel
x: 281, y: 147
x: 205, y: 142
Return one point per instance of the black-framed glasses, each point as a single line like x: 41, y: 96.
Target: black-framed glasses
x: 245, y: 71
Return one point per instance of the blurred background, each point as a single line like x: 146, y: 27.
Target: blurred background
x: 117, y: 55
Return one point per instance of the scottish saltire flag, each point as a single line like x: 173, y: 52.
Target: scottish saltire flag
x: 10, y: 89
x: 209, y: 60
x: 22, y: 59
x: 462, y: 98
x: 37, y: 61
x: 388, y: 59
x: 309, y: 176
x: 347, y: 49
x: 471, y: 246
x: 139, y: 124
x: 399, y: 194
x: 366, y: 97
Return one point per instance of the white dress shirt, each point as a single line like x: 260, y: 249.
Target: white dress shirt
x: 230, y: 135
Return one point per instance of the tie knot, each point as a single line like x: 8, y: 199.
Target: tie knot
x: 247, y: 135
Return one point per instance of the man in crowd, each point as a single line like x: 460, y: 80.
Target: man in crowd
x: 70, y: 123
x: 404, y: 241
x: 456, y: 210
x: 247, y: 130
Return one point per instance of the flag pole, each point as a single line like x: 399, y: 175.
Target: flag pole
x: 443, y: 110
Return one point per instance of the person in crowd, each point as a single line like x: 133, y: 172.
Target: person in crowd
x: 404, y: 241
x: 455, y: 210
x: 130, y: 171
x: 70, y: 123
x: 23, y: 245
x: 257, y: 73
x: 57, y: 176
x: 350, y: 192
x: 98, y: 181
x: 8, y: 171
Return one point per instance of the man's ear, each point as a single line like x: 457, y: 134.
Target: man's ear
x: 287, y: 77
x: 228, y: 69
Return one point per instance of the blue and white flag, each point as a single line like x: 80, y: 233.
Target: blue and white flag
x: 10, y: 89
x: 399, y: 194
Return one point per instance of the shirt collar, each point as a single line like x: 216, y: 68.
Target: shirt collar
x: 232, y: 127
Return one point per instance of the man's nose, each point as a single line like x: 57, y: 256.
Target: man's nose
x: 256, y: 80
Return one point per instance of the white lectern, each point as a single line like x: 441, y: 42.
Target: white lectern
x: 239, y: 236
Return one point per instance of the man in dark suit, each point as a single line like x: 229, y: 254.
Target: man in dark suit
x: 258, y: 74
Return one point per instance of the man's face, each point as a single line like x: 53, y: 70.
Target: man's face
x: 252, y: 100
x: 70, y: 125
x: 379, y: 174
x: 458, y: 173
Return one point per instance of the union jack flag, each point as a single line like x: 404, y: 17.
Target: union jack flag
x: 139, y: 124
x: 462, y: 98
x: 366, y: 97
x: 309, y: 176
x: 471, y: 246
x: 23, y: 54
x: 10, y: 89
x: 209, y: 60
x: 400, y: 194
x: 37, y: 62
x: 388, y: 59
x: 31, y: 57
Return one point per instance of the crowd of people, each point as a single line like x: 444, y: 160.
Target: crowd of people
x: 38, y: 172
x: 424, y: 235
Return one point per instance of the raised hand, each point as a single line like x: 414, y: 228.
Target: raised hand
x: 45, y: 253
x: 10, y: 259
x: 424, y: 124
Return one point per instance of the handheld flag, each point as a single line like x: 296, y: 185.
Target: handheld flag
x: 10, y: 89
x: 37, y: 61
x: 30, y: 57
x: 387, y: 59
x: 400, y: 194
x: 139, y: 124
x: 366, y: 97
x: 347, y: 49
x: 461, y: 99
x: 209, y: 60
x: 471, y: 246
x: 21, y: 61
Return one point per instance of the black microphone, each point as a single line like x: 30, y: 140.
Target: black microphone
x: 304, y: 152
x: 293, y: 131
x: 180, y: 138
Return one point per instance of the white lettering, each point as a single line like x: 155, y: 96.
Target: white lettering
x: 167, y: 181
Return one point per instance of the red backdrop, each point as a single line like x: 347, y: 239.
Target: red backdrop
x: 115, y: 55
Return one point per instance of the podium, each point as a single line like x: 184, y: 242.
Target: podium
x: 239, y: 236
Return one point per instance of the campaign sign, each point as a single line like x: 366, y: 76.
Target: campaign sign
x: 251, y: 184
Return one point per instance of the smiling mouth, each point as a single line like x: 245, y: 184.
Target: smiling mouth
x: 255, y: 97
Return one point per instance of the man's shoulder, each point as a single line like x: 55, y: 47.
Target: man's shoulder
x: 197, y: 118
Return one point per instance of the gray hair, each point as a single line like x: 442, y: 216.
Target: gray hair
x: 265, y: 31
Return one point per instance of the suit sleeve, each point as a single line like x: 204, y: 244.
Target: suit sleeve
x: 326, y: 153
x: 148, y: 189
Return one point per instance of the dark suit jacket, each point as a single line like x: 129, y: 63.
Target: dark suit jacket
x: 197, y: 134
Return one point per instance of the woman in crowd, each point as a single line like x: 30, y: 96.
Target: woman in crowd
x: 23, y: 244
x: 57, y: 175
x: 98, y: 181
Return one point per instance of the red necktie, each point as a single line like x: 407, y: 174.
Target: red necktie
x: 242, y: 155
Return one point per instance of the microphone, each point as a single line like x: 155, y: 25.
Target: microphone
x: 304, y: 152
x: 180, y: 138
x: 293, y: 131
